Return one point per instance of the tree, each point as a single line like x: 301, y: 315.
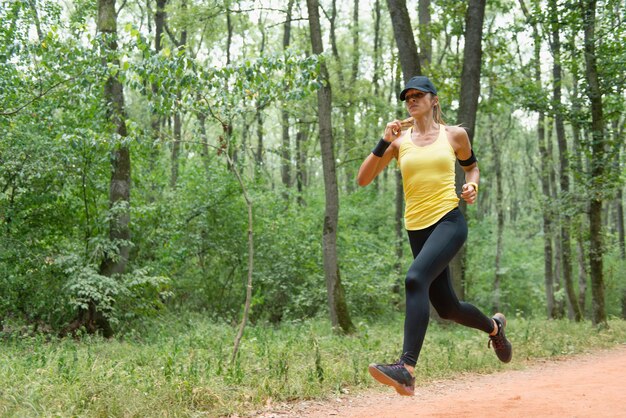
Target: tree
x: 405, y: 41
x: 545, y: 163
x: 410, y: 66
x: 119, y: 190
x: 339, y: 315
x: 468, y: 106
x: 566, y: 253
x: 285, y: 149
x: 425, y: 36
x: 598, y: 159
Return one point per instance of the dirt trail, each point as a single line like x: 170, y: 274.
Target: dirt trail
x: 591, y: 385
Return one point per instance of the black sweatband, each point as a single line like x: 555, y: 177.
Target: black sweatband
x: 471, y: 160
x: 380, y: 148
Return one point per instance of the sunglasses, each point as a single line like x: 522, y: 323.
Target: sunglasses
x: 415, y: 96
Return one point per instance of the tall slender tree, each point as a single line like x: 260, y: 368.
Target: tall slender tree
x: 468, y: 106
x: 339, y: 314
x: 181, y: 44
x: 377, y: 47
x: 425, y: 36
x: 598, y: 159
x: 405, y: 41
x: 119, y: 190
x: 545, y: 163
x: 565, y: 218
x: 410, y: 66
x: 285, y: 148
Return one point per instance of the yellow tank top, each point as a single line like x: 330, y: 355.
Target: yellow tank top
x: 428, y: 180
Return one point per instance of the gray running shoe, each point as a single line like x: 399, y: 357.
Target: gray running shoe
x: 395, y: 375
x: 501, y: 345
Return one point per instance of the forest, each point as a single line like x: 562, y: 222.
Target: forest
x: 167, y: 159
x: 143, y: 142
x: 176, y: 154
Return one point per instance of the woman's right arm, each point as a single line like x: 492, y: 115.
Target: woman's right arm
x: 373, y: 165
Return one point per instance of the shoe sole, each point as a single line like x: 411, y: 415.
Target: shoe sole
x: 386, y: 380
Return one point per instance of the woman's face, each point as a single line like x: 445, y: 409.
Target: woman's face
x: 418, y: 102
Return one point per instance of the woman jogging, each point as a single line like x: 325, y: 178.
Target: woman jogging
x: 426, y: 154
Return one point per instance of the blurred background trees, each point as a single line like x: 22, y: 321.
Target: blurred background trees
x: 206, y: 80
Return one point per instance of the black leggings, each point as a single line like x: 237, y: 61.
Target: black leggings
x: 429, y: 276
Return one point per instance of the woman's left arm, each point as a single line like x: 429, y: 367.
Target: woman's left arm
x: 463, y: 150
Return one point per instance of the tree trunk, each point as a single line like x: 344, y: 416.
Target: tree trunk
x: 598, y: 158
x: 405, y: 41
x: 119, y: 190
x: 545, y: 160
x: 410, y: 66
x: 155, y: 120
x: 300, y: 164
x: 181, y: 44
x: 332, y: 19
x: 205, y: 140
x: 399, y: 224
x: 547, y: 213
x: 260, y: 136
x: 175, y: 150
x: 339, y: 314
x: 229, y: 34
x: 556, y: 242
x: 349, y: 142
x: 285, y: 149
x: 249, y: 206
x: 425, y: 37
x: 499, y: 203
x: 582, y: 269
x: 159, y: 24
x: 35, y: 14
x: 356, y: 56
x: 565, y: 219
x: 399, y: 210
x: 620, y: 223
x: 377, y: 49
x: 468, y: 105
x: 618, y: 141
x: 578, y: 167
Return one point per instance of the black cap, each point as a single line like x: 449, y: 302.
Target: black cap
x: 421, y: 83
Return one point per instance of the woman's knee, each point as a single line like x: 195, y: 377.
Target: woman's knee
x: 415, y: 281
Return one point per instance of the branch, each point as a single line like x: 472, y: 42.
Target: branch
x: 213, y: 115
x: 283, y: 23
x: 39, y: 96
x: 246, y: 309
x: 120, y: 9
x: 171, y: 35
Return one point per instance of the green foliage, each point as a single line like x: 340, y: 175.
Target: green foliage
x: 136, y: 294
x: 55, y: 151
x: 522, y: 288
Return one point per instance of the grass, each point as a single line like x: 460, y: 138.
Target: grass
x: 180, y: 366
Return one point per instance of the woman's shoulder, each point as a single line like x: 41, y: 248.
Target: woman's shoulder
x: 455, y: 130
x: 457, y: 134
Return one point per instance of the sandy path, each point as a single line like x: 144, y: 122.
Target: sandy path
x: 591, y: 385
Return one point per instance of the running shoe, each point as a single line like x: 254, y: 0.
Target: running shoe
x: 395, y: 375
x: 501, y: 345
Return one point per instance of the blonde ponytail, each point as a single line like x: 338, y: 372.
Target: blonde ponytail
x: 437, y: 115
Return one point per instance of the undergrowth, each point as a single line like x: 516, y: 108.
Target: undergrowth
x: 181, y: 366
